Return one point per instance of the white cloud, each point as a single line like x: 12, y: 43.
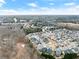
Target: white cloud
x: 43, y: 11
x: 7, y: 12
x: 13, y: 0
x: 2, y: 2
x: 48, y: 0
x: 51, y: 3
x: 69, y: 4
x: 77, y: 6
x: 62, y: 11
x: 32, y: 4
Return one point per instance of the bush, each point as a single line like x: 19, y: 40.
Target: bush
x: 70, y: 56
x: 47, y: 56
x: 32, y: 30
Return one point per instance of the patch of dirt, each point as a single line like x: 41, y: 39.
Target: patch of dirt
x: 24, y: 51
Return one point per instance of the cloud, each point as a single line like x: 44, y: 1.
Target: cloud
x: 2, y: 2
x: 77, y: 6
x: 51, y: 3
x: 13, y: 0
x: 61, y: 11
x: 32, y: 4
x: 48, y: 0
x: 69, y: 4
x: 7, y: 12
x: 43, y: 11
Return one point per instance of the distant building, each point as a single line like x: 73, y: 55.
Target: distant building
x: 15, y: 20
x: 22, y: 21
x: 27, y: 25
x: 47, y: 28
x: 58, y: 52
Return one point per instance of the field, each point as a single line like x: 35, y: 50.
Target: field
x: 25, y: 36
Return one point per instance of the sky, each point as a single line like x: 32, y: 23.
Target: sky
x: 39, y: 7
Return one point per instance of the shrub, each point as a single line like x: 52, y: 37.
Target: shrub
x: 47, y: 56
x: 70, y: 56
x: 32, y: 30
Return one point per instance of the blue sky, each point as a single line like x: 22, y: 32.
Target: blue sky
x: 39, y: 7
